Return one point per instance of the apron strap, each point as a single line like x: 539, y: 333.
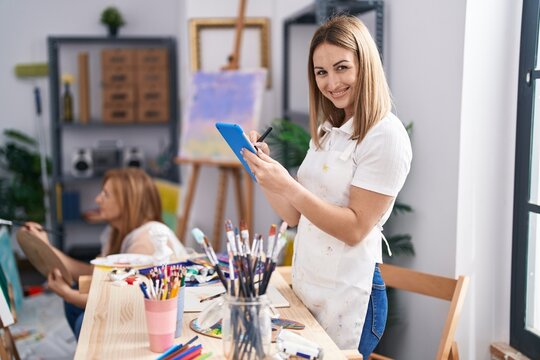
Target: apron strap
x: 385, y: 241
x: 324, y: 140
x: 346, y: 154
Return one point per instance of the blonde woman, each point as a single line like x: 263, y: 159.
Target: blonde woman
x: 129, y: 202
x: 358, y: 160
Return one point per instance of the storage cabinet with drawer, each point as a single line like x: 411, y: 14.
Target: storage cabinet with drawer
x: 131, y: 97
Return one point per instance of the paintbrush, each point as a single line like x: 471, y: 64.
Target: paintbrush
x: 243, y: 274
x: 231, y: 270
x: 278, y: 246
x: 246, y: 257
x: 244, y: 234
x: 258, y: 259
x: 269, y: 250
x: 233, y: 238
x: 203, y: 240
x: 23, y: 224
x: 229, y: 230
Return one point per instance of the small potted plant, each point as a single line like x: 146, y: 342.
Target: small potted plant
x: 112, y: 18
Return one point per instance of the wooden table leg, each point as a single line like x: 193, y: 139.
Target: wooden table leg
x: 220, y: 208
x: 190, y: 193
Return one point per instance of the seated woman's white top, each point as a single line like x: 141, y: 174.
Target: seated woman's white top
x: 160, y: 236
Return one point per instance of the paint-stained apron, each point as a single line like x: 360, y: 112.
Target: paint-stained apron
x: 331, y: 278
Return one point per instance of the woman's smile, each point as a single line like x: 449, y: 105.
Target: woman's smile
x: 336, y: 75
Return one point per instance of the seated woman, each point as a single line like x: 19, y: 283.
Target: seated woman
x: 129, y: 202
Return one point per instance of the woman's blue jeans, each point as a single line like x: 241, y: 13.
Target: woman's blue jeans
x: 376, y: 316
x: 74, y: 316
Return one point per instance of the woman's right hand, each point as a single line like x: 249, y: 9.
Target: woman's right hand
x: 57, y: 284
x: 36, y: 230
x: 253, y: 136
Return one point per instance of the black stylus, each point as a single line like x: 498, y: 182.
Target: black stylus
x: 265, y: 134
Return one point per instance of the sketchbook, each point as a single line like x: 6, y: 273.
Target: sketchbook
x: 194, y: 295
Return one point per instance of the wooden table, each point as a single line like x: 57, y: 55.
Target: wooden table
x: 114, y: 325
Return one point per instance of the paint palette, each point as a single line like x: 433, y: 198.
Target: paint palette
x: 215, y: 330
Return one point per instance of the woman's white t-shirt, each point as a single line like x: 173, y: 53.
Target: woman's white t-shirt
x: 161, y: 236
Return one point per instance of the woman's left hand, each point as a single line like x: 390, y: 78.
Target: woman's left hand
x: 270, y: 174
x: 57, y: 284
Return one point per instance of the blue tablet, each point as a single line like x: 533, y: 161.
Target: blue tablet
x: 237, y: 140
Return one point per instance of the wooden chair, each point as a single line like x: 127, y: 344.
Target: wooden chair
x: 452, y: 290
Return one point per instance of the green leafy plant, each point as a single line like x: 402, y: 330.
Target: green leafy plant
x: 400, y: 244
x: 21, y: 190
x: 289, y: 143
x: 112, y: 18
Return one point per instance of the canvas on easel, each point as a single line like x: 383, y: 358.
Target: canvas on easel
x: 8, y: 264
x: 232, y: 96
x: 5, y: 313
x: 8, y: 350
x: 227, y: 96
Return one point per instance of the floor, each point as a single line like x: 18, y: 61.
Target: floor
x: 41, y: 330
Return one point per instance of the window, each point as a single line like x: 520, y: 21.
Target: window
x: 525, y: 298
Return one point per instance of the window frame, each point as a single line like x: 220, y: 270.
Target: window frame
x: 520, y: 338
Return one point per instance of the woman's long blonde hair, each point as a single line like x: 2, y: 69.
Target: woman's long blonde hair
x: 138, y: 199
x: 372, y: 100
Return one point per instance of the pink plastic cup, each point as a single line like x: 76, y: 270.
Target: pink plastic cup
x: 161, y: 322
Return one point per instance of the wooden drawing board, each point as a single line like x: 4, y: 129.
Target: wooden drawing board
x: 42, y: 255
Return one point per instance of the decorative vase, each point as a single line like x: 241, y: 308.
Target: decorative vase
x: 113, y: 31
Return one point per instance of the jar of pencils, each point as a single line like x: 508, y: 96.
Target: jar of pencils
x: 246, y: 328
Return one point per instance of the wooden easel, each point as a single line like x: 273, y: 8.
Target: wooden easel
x: 8, y: 349
x: 245, y: 207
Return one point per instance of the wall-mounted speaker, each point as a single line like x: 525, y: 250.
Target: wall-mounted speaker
x: 81, y: 163
x: 133, y: 157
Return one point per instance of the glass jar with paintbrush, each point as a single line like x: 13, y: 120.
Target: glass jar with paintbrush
x: 246, y: 327
x: 245, y: 310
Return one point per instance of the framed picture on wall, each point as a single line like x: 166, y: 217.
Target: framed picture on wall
x: 212, y: 42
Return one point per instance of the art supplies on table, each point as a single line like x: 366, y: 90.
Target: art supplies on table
x: 194, y: 295
x: 185, y: 351
x: 215, y: 330
x: 292, y: 344
x: 160, y: 317
x: 249, y: 262
x: 244, y: 309
x: 164, y: 282
x: 124, y: 260
x: 164, y: 304
x: 198, y: 272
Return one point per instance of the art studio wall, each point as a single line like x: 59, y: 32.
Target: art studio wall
x: 452, y: 68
